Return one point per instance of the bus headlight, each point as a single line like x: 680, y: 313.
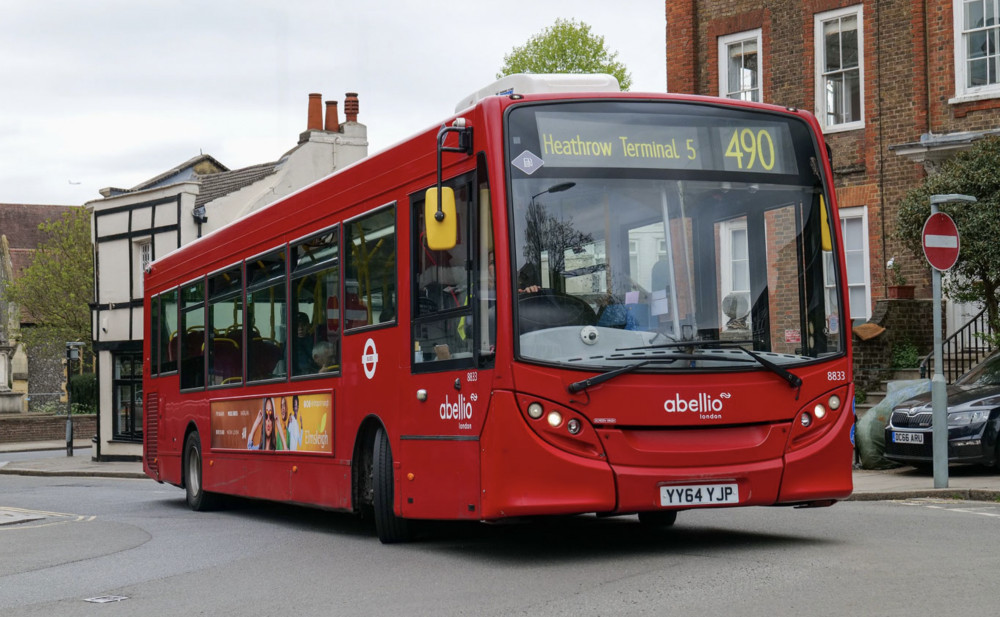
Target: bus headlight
x: 806, y: 419
x: 561, y: 427
x: 819, y: 411
x: 834, y: 402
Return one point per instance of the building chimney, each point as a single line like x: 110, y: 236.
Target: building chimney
x: 351, y: 107
x: 332, y: 120
x: 315, y: 119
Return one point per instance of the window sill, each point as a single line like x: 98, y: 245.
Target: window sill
x: 974, y: 97
x: 843, y: 128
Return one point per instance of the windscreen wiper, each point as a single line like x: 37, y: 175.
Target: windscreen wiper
x: 583, y: 384
x: 793, y: 380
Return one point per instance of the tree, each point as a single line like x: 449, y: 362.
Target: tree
x: 566, y: 47
x: 976, y: 275
x: 58, y: 286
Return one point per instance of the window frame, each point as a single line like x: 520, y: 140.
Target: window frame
x: 819, y: 20
x: 857, y: 212
x: 446, y: 318
x: 297, y: 273
x: 212, y: 298
x: 964, y: 93
x: 262, y: 284
x: 133, y: 382
x: 725, y: 42
x: 346, y: 238
x: 182, y: 313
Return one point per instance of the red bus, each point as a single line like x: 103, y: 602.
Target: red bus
x: 616, y: 303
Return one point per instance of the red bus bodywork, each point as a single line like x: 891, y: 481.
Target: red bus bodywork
x: 462, y: 443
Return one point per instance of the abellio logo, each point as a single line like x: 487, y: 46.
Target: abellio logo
x: 701, y: 403
x: 460, y: 410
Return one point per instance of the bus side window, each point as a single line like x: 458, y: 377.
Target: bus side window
x: 170, y: 337
x: 265, y: 322
x: 225, y: 320
x: 315, y: 337
x: 370, y: 269
x: 442, y: 328
x: 191, y: 335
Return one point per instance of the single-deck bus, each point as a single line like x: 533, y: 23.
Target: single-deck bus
x: 558, y: 302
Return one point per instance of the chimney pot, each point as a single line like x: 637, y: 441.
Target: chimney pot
x: 351, y: 107
x: 314, y: 122
x: 332, y: 119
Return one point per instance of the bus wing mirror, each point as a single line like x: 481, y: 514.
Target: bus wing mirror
x: 442, y: 231
x: 825, y: 237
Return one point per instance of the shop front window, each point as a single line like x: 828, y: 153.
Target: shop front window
x: 128, y: 397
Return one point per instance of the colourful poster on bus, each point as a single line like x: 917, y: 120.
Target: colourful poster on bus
x: 300, y: 422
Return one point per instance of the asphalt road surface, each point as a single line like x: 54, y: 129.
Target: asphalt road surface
x: 96, y: 546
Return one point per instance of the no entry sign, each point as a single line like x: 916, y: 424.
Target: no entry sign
x: 940, y: 240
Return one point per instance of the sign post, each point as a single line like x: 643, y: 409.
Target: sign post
x: 941, y: 245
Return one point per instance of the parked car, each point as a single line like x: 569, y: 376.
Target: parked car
x: 973, y: 421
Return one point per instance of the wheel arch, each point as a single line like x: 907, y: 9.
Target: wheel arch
x: 362, y: 488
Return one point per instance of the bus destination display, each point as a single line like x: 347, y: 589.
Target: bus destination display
x: 616, y: 140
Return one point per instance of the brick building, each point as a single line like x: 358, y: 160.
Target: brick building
x: 898, y: 85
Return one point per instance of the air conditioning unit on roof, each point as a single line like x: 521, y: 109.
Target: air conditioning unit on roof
x: 525, y: 83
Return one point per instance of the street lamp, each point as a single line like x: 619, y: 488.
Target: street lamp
x: 939, y: 389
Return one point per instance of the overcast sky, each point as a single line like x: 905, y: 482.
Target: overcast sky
x: 103, y: 93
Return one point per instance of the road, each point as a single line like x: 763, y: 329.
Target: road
x: 135, y: 539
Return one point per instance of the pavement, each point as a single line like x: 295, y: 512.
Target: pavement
x: 964, y: 482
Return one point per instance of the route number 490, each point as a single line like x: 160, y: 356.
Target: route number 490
x: 750, y: 148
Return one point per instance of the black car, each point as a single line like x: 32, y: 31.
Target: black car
x: 973, y: 421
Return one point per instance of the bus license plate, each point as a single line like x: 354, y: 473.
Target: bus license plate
x: 907, y: 437
x: 699, y: 494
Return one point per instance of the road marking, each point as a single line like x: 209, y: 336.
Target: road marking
x: 18, y: 518
x: 940, y: 504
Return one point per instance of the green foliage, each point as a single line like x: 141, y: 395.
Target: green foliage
x: 566, y: 47
x: 83, y: 392
x: 57, y: 288
x: 905, y: 355
x: 976, y: 275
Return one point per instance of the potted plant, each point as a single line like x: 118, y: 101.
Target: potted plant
x: 898, y: 288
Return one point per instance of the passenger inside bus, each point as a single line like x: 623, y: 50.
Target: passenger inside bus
x: 302, y: 346
x: 324, y: 356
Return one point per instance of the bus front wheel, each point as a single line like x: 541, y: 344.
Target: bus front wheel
x: 197, y: 498
x: 389, y: 527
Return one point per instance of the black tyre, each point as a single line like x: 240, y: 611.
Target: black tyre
x: 658, y: 518
x: 389, y: 527
x: 197, y: 498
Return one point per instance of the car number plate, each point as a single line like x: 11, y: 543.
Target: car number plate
x: 699, y: 494
x: 907, y: 437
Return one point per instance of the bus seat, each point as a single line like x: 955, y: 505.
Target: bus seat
x: 194, y: 343
x: 262, y: 356
x: 227, y: 360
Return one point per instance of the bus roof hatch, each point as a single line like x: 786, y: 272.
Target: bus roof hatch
x: 524, y: 83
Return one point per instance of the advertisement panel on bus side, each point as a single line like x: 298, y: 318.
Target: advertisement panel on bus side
x: 302, y: 423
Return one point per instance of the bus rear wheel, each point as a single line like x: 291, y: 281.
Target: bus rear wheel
x: 197, y: 498
x: 389, y: 527
x: 658, y: 518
